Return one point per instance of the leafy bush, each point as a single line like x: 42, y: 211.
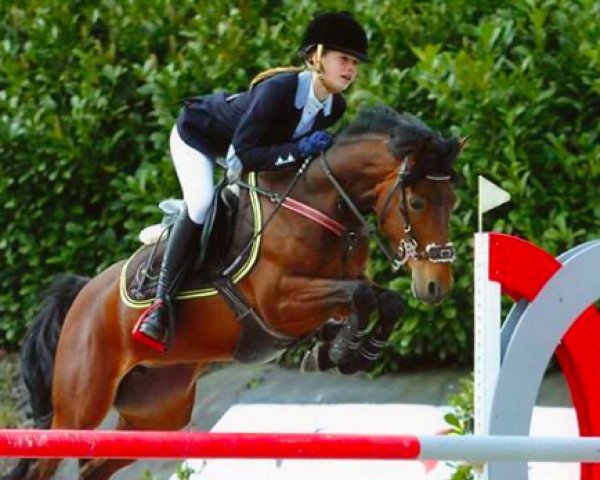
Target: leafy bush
x: 89, y: 91
x: 461, y: 422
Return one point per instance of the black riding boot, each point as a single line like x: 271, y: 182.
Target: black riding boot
x: 152, y: 328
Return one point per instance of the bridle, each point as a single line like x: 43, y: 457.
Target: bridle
x: 408, y: 247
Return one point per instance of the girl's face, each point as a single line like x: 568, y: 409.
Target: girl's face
x: 339, y: 70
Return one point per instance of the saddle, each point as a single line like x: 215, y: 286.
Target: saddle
x: 226, y: 233
x: 140, y: 274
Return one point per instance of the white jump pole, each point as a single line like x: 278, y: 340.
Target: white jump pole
x: 487, y: 334
x: 487, y: 342
x: 500, y: 448
x: 487, y: 319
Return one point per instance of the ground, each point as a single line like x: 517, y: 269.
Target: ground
x: 13, y: 399
x: 220, y: 388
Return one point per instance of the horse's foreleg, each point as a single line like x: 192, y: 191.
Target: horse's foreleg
x: 317, y: 358
x: 353, y: 349
x: 345, y: 347
x: 304, y: 304
x: 391, y: 306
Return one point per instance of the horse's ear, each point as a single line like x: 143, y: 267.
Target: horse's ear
x: 414, y: 153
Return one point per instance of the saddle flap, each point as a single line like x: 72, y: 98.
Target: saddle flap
x: 140, y: 273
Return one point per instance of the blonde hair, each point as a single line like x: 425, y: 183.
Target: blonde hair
x: 271, y: 72
x: 291, y: 69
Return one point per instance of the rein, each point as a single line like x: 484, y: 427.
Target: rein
x: 274, y: 198
x: 368, y: 228
x: 407, y: 247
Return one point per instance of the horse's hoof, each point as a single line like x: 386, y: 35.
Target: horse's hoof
x: 349, y: 368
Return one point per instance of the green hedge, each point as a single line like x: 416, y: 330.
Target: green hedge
x: 89, y: 90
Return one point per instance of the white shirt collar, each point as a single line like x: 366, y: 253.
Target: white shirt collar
x: 305, y: 90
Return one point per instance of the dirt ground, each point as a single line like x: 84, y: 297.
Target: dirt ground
x: 14, y: 411
x: 224, y: 386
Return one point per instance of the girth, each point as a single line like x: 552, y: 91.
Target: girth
x: 258, y: 342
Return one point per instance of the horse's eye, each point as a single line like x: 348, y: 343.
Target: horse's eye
x: 416, y: 203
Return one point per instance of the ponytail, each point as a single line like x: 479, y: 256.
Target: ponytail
x: 272, y: 72
x: 307, y: 65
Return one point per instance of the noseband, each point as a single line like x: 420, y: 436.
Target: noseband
x: 408, y: 247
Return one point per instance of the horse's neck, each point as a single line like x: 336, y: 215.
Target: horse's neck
x: 357, y: 166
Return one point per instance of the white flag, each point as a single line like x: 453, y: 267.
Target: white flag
x: 490, y: 196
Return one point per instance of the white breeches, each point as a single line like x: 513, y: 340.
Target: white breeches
x: 195, y: 174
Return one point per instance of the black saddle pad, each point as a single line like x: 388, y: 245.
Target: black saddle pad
x: 227, y: 237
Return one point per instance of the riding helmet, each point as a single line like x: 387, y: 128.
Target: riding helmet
x: 336, y: 31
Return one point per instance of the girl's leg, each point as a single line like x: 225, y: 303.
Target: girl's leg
x: 195, y: 174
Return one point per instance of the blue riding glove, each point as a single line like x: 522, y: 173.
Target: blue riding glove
x: 314, y: 143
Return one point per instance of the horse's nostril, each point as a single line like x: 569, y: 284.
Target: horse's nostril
x: 432, y: 289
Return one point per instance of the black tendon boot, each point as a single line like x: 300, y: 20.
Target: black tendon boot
x: 152, y: 328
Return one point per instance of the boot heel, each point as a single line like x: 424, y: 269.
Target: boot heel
x: 141, y: 336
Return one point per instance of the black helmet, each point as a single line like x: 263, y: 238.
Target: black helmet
x: 336, y: 31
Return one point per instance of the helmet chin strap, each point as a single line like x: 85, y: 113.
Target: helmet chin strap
x: 319, y: 70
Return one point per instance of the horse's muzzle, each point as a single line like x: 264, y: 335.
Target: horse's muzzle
x: 431, y: 289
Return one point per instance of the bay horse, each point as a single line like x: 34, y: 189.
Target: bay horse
x: 79, y: 357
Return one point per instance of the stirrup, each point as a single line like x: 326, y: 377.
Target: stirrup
x: 141, y: 336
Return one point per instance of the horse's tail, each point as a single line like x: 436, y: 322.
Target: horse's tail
x: 41, y: 340
x: 38, y: 351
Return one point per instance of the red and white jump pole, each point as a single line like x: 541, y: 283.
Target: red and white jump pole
x: 474, y: 449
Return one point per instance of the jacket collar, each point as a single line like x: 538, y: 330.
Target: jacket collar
x: 305, y: 80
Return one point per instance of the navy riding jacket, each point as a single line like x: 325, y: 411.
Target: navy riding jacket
x: 259, y: 123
